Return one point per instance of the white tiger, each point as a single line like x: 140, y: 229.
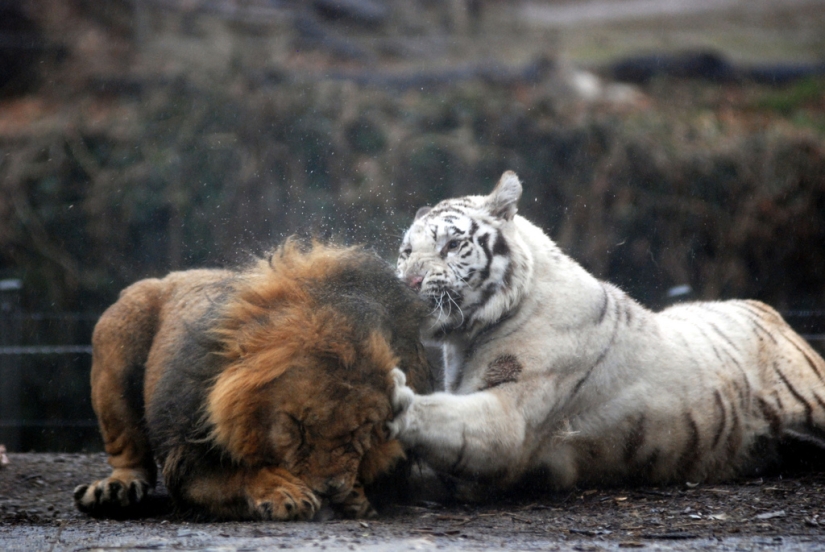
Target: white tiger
x: 555, y: 378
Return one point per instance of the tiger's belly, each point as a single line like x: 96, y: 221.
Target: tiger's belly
x: 708, y: 401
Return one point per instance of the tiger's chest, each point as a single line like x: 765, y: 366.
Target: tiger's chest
x: 457, y: 371
x: 468, y: 370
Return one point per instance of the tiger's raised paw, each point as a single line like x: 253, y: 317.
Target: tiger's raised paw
x: 401, y: 399
x: 113, y: 496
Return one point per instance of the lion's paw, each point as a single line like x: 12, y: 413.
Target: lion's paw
x: 287, y: 503
x: 112, y: 496
x: 356, y: 505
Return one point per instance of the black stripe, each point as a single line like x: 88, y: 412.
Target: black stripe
x: 809, y: 412
x: 490, y: 333
x: 483, y: 241
x: 746, y: 382
x: 734, y: 436
x: 755, y: 318
x: 454, y: 206
x: 762, y: 308
x: 733, y: 359
x: 691, y: 453
x: 716, y: 349
x: 723, y: 415
x: 460, y: 457
x: 747, y: 307
x: 742, y: 397
x: 649, y: 465
x: 507, y: 280
x: 723, y: 336
x: 501, y: 247
x: 819, y: 401
x: 778, y: 400
x: 486, y: 293
x: 604, y: 305
x: 807, y: 357
x: 723, y: 313
x: 635, y: 439
x: 601, y: 356
x: 759, y: 326
x: 771, y: 415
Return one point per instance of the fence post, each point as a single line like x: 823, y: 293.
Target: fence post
x: 10, y: 371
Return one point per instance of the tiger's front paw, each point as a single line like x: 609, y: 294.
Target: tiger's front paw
x: 401, y: 399
x: 113, y: 496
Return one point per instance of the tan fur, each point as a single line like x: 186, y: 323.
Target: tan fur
x: 262, y: 394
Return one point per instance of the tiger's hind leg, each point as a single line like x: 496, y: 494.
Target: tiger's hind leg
x: 794, y: 405
x: 121, y: 342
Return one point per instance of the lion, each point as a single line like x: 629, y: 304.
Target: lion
x: 261, y: 392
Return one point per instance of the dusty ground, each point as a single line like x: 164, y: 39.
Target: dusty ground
x: 36, y: 513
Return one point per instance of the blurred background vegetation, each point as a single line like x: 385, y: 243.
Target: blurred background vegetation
x: 661, y: 145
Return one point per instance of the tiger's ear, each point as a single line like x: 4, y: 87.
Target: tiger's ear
x: 421, y: 212
x: 503, y: 200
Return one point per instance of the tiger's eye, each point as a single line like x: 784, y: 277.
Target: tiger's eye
x: 452, y: 245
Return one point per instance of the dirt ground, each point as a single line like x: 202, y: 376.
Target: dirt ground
x: 787, y: 513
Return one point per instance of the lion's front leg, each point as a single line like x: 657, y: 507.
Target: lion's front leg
x: 274, y: 493
x: 264, y: 493
x: 354, y: 504
x: 121, y: 340
x: 134, y: 471
x: 478, y: 435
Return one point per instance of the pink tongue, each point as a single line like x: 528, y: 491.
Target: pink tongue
x: 415, y: 282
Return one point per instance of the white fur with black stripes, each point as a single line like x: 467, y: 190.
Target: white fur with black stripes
x: 554, y: 375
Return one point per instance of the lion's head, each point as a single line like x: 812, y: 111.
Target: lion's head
x: 308, y: 352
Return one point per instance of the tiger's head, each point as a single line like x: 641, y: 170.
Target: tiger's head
x: 465, y: 257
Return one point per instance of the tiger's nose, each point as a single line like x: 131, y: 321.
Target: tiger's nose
x: 414, y: 281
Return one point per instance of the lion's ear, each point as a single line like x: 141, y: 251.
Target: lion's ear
x: 503, y: 200
x: 421, y: 212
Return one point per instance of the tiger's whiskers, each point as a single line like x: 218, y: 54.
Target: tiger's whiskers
x: 454, y: 302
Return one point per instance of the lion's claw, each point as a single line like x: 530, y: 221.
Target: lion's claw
x: 110, y: 496
x: 282, y: 504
